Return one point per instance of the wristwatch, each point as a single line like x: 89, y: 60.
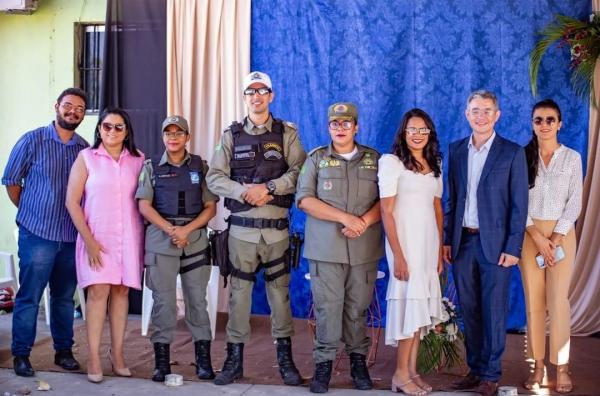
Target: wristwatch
x: 271, y: 187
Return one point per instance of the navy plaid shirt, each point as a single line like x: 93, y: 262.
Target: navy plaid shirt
x: 40, y: 162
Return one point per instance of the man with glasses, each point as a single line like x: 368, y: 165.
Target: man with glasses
x: 484, y: 230
x: 174, y: 198
x: 337, y: 189
x: 36, y: 178
x: 255, y: 167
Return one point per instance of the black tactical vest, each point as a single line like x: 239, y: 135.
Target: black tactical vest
x: 257, y: 159
x: 177, y: 191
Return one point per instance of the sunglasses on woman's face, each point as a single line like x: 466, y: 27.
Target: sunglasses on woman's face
x: 540, y: 120
x: 107, y: 127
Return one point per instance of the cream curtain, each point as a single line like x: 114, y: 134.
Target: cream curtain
x: 208, y: 55
x: 585, y: 286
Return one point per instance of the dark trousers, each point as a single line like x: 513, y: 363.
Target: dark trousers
x: 482, y: 289
x: 42, y: 261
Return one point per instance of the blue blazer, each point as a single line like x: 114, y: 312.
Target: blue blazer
x: 502, y: 198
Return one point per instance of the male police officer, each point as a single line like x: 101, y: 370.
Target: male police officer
x: 337, y: 188
x: 255, y: 168
x: 174, y: 198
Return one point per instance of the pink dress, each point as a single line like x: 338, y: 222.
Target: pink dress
x: 112, y: 214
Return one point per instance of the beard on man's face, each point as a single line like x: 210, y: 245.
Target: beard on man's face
x: 69, y: 126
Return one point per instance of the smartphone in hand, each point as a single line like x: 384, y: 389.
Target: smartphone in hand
x: 559, y: 254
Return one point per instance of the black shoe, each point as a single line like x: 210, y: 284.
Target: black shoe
x: 22, y: 366
x: 320, y: 381
x: 468, y: 382
x: 162, y: 364
x: 287, y: 369
x: 204, y: 368
x: 359, y: 372
x: 233, y: 366
x: 64, y: 358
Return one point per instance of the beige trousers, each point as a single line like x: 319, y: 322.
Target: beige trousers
x: 546, y: 290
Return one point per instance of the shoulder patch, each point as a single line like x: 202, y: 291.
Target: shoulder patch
x: 311, y: 152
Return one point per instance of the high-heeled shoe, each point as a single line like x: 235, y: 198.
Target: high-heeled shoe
x: 120, y: 372
x: 421, y: 384
x: 401, y: 388
x: 535, y: 378
x: 564, y: 386
x: 95, y: 378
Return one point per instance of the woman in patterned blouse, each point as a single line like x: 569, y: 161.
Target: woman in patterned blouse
x: 555, y: 186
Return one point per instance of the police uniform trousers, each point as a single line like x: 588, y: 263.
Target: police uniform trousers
x: 341, y: 294
x: 246, y: 257
x: 161, y: 278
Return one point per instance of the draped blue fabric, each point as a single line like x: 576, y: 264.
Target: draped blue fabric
x: 391, y: 56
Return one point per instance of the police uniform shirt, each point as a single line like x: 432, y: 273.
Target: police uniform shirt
x: 348, y: 185
x: 157, y: 241
x: 219, y: 182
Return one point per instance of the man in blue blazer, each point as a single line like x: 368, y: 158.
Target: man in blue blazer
x: 485, y: 225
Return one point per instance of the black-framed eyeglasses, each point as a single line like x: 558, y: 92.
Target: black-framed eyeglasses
x: 107, y: 127
x: 421, y: 131
x: 261, y: 91
x: 68, y: 107
x: 174, y: 135
x: 540, y: 120
x: 341, y: 124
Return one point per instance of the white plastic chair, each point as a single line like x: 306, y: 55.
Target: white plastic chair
x: 46, y: 294
x: 212, y: 296
x: 10, y: 280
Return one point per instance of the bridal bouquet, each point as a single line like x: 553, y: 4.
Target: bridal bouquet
x: 441, y: 347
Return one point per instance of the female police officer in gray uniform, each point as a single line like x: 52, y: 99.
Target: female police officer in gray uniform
x: 337, y: 188
x: 174, y: 198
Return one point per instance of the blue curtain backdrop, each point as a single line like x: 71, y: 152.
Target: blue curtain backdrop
x: 391, y: 56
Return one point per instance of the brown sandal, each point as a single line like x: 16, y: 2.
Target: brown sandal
x: 562, y: 372
x: 536, y: 377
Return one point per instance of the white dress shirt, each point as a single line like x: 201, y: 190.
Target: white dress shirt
x: 557, y: 191
x: 477, y: 160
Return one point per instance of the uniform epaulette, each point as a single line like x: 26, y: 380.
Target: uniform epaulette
x: 311, y: 152
x: 371, y: 148
x: 148, y: 161
x: 290, y: 125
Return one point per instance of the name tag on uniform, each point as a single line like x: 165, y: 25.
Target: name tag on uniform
x: 195, y: 177
x: 166, y: 175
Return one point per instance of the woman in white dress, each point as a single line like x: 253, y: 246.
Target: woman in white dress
x: 410, y: 187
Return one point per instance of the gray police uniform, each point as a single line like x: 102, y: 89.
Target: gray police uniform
x: 259, y: 236
x: 343, y: 271
x: 178, y: 194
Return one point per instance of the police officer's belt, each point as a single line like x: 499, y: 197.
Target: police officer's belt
x: 179, y: 222
x: 251, y: 276
x: 280, y: 224
x: 203, y: 259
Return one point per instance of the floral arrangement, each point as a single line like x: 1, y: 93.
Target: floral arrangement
x: 583, y: 40
x: 441, y: 347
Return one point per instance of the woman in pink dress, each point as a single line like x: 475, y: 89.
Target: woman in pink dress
x: 100, y: 200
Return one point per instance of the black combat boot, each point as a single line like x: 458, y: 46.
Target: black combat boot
x: 320, y: 381
x: 287, y: 369
x: 204, y: 368
x: 162, y: 364
x: 233, y: 366
x: 359, y: 372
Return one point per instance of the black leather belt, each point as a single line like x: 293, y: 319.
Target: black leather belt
x: 280, y: 224
x: 179, y: 222
x: 470, y: 230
